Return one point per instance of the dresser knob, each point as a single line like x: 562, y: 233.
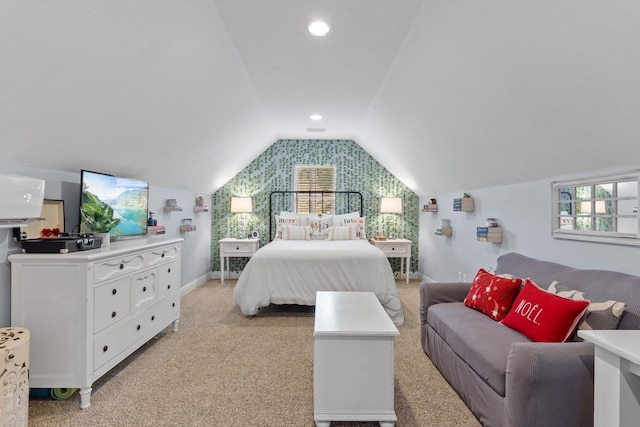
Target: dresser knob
x: 168, y: 286
x: 121, y: 266
x: 113, y: 314
x: 162, y: 256
x: 138, y: 328
x: 114, y: 291
x: 11, y: 356
x: 144, y: 289
x: 237, y: 249
x: 168, y: 270
x: 105, y: 348
x: 153, y: 318
x: 173, y: 305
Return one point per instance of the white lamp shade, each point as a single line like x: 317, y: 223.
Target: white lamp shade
x: 391, y: 205
x: 241, y: 205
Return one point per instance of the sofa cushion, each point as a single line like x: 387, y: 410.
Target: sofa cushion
x: 492, y: 295
x: 543, y: 316
x: 481, y: 342
x: 601, y: 312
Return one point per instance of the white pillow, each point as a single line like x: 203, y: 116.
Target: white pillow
x: 361, y: 223
x: 345, y: 219
x: 302, y: 218
x: 346, y: 232
x: 320, y: 227
x: 296, y: 232
x: 282, y: 221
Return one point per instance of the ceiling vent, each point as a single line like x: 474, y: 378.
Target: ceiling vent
x: 316, y: 129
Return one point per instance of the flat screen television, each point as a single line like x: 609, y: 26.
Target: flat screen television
x: 112, y: 201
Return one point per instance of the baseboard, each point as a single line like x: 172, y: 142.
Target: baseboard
x: 193, y: 285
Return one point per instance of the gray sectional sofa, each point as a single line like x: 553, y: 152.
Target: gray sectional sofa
x: 505, y: 378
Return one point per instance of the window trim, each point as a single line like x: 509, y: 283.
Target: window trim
x: 612, y: 237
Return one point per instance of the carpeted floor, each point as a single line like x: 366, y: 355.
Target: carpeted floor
x: 224, y: 369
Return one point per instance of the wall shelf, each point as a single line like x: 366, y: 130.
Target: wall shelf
x: 431, y: 207
x: 156, y: 229
x: 187, y: 228
x: 443, y: 231
x: 201, y: 208
x: 463, y: 204
x: 489, y: 234
x: 172, y: 209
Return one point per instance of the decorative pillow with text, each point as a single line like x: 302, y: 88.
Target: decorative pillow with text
x: 543, y: 316
x: 347, y: 232
x: 492, y: 295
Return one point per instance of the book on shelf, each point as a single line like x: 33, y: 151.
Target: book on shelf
x: 463, y: 204
x: 492, y: 239
x: 488, y: 231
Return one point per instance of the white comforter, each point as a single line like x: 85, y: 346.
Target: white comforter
x: 292, y: 271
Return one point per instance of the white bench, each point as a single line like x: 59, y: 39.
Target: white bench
x: 353, y: 377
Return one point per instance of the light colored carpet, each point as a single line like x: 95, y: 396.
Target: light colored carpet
x: 224, y: 369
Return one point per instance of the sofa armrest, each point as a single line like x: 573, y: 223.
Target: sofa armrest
x: 438, y: 292
x: 549, y: 384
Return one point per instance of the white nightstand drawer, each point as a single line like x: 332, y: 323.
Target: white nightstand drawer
x: 237, y: 248
x: 390, y: 249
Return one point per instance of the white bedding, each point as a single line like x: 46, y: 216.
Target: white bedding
x: 292, y: 271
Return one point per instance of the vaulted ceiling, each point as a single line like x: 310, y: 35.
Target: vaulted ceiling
x: 449, y: 95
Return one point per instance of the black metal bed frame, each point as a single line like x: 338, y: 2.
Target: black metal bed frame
x: 349, y: 195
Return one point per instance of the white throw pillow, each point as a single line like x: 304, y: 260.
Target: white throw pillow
x: 346, y: 232
x: 296, y: 232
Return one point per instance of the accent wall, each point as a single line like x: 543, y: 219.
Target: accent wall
x: 273, y: 170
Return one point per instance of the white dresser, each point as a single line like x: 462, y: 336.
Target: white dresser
x: 88, y: 310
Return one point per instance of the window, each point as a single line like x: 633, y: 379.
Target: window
x: 602, y: 209
x: 315, y: 178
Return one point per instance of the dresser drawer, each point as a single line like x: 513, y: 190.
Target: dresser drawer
x: 231, y: 249
x: 117, y: 267
x: 109, y: 292
x: 111, y: 313
x: 143, y: 289
x: 168, y: 280
x: 109, y: 344
x: 162, y: 255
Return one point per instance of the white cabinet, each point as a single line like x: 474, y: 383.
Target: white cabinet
x: 235, y: 248
x: 87, y: 311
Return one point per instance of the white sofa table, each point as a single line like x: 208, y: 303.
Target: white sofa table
x: 617, y: 376
x: 353, y: 363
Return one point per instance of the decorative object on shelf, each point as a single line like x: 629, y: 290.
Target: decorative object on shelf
x: 432, y: 206
x: 187, y: 226
x: 241, y: 205
x: 150, y: 221
x: 389, y: 205
x: 489, y: 234
x: 492, y: 222
x: 464, y: 204
x: 444, y: 229
x: 199, y: 201
x: 171, y: 205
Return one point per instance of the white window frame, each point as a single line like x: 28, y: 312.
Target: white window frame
x: 614, y: 237
x: 311, y: 204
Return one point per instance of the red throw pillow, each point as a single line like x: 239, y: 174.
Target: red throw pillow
x: 543, y: 316
x: 492, y: 295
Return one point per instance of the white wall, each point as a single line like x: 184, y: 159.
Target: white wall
x: 196, y: 247
x: 524, y: 211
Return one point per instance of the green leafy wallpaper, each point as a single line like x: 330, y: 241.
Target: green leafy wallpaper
x: 273, y: 170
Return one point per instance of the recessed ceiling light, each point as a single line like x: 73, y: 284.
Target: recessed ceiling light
x: 319, y: 28
x: 315, y: 117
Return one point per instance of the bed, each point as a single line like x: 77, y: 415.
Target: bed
x: 291, y: 271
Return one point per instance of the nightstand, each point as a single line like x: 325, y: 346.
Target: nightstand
x: 235, y: 248
x: 396, y: 248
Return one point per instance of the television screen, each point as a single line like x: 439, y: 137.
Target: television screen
x: 113, y: 204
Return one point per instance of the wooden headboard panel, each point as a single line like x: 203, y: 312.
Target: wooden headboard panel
x: 345, y: 202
